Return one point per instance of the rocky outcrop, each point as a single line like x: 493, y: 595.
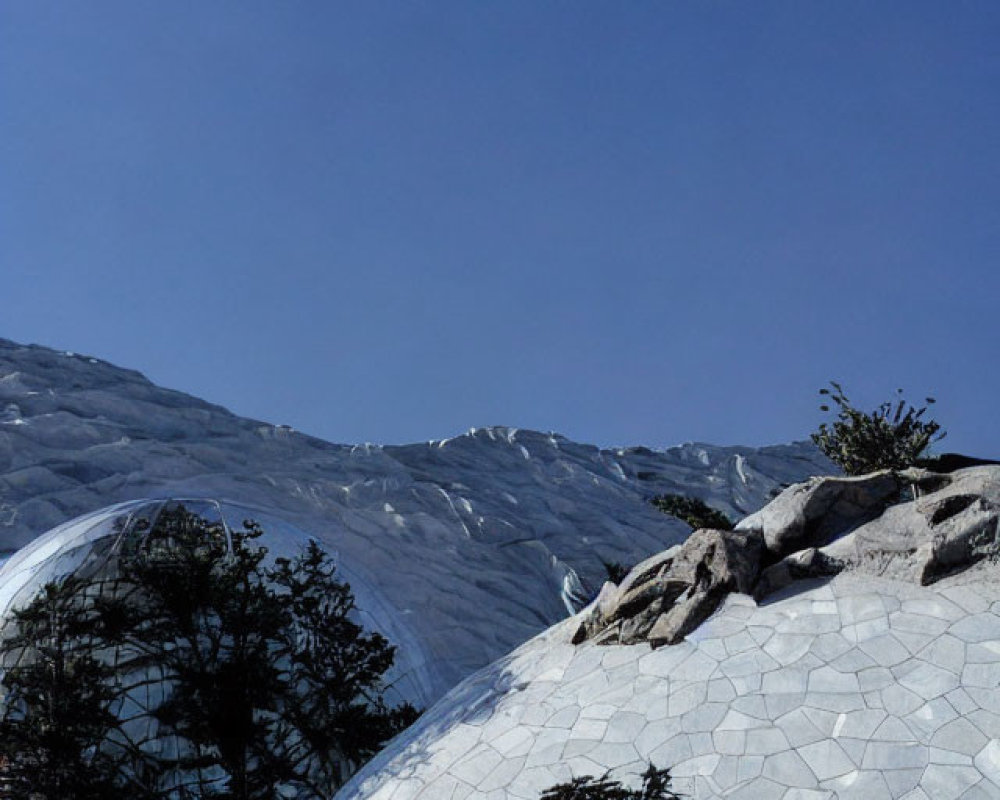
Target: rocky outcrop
x: 815, y: 529
x: 935, y: 535
x: 665, y: 598
x: 813, y: 513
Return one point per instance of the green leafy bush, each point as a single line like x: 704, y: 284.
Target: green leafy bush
x: 693, y: 511
x: 655, y: 786
x: 893, y: 436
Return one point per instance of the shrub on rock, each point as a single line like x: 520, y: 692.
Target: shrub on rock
x: 893, y: 436
x: 693, y: 511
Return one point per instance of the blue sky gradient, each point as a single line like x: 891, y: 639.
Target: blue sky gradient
x: 632, y: 223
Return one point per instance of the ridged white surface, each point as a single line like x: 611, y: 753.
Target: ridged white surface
x: 855, y: 689
x: 459, y: 550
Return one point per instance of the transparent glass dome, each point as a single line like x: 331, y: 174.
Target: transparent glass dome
x: 84, y: 545
x: 88, y: 546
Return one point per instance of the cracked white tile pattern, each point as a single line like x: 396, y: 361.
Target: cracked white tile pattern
x: 855, y: 688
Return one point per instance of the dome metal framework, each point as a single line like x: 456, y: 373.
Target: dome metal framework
x: 85, y: 545
x: 88, y: 548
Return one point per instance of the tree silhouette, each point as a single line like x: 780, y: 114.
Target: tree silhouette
x: 57, y: 697
x: 271, y: 684
x: 243, y: 679
x: 655, y: 786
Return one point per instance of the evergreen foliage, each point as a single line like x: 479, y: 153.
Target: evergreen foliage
x: 260, y: 682
x: 655, y: 786
x: 339, y: 712
x: 693, y: 511
x: 893, y: 436
x: 56, y: 704
x: 204, y: 617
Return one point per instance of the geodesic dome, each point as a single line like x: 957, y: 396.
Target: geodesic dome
x: 85, y: 544
x: 89, y: 548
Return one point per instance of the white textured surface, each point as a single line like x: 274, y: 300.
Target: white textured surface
x: 858, y: 688
x: 459, y: 549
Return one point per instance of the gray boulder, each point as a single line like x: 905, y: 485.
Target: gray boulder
x: 933, y: 536
x: 812, y: 513
x: 666, y: 597
x: 809, y: 563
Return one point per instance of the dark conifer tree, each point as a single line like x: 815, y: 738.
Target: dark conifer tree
x: 56, y: 718
x: 696, y: 513
x: 337, y: 717
x: 269, y: 683
x: 256, y: 676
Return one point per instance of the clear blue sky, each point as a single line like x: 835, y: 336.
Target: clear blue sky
x: 645, y: 222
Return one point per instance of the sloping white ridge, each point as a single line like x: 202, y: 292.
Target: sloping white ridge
x: 458, y: 550
x: 855, y: 688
